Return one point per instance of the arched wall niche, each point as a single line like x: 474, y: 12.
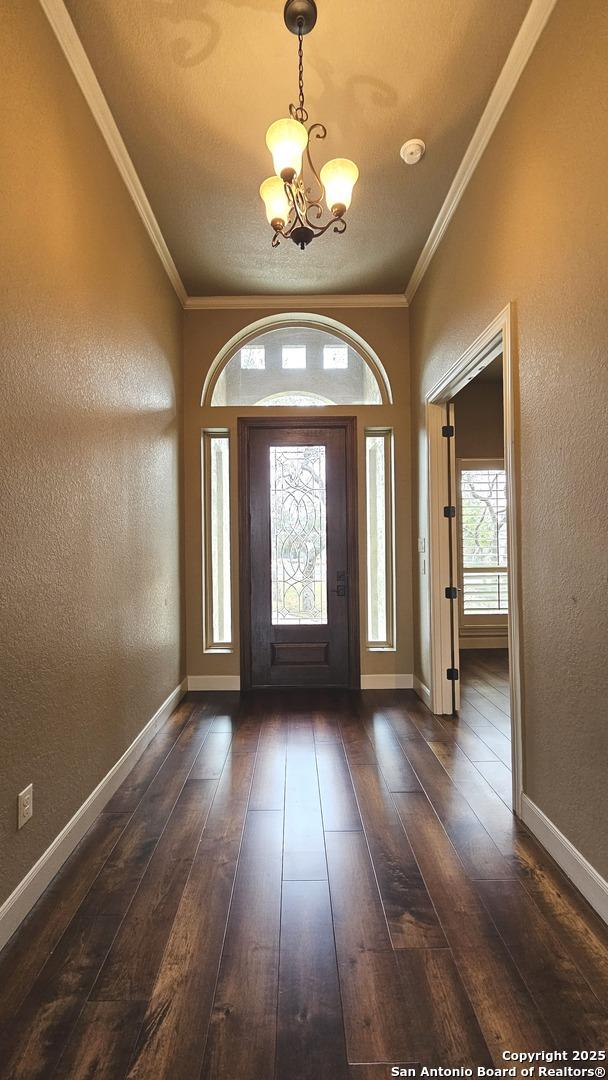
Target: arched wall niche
x: 373, y: 388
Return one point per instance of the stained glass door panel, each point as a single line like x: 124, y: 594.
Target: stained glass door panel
x: 298, y: 535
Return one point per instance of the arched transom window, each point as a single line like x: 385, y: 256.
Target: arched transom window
x: 302, y: 361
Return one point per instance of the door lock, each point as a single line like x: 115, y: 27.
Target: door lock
x: 340, y: 589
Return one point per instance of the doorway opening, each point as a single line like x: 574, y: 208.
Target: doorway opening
x: 473, y: 552
x: 298, y: 543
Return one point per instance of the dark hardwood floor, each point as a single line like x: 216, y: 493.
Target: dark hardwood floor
x: 306, y: 886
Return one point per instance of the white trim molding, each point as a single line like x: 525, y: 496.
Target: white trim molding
x: 214, y: 682
x: 28, y: 891
x: 387, y: 682
x: 586, y: 878
x: 289, y: 301
x: 422, y: 691
x: 65, y: 32
x: 495, y: 340
x: 521, y: 50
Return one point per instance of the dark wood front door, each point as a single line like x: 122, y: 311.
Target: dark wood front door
x: 298, y: 518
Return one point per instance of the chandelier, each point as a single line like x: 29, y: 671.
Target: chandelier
x: 300, y: 203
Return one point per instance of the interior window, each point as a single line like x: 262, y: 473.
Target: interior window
x: 483, y: 538
x: 293, y: 357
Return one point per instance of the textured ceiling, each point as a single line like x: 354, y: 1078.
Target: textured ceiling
x: 194, y: 84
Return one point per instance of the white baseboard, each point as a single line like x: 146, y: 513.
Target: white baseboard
x: 423, y: 691
x: 386, y: 682
x: 28, y: 891
x: 592, y: 885
x: 214, y: 682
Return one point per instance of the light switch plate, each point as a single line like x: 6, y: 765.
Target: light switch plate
x: 25, y: 805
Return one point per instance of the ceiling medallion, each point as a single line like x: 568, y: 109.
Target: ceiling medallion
x: 297, y: 198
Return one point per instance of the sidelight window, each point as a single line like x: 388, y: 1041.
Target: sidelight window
x: 380, y: 539
x: 216, y: 547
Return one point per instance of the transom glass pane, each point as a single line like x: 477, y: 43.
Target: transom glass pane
x: 335, y: 357
x: 253, y: 359
x: 298, y: 535
x: 303, y: 367
x: 294, y: 358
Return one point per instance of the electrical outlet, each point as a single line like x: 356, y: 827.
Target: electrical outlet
x: 25, y: 805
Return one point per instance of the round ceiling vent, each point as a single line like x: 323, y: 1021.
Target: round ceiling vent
x: 412, y: 151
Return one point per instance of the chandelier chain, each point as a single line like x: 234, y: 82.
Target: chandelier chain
x: 301, y: 66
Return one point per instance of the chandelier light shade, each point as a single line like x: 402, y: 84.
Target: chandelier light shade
x: 287, y: 140
x: 275, y: 201
x: 301, y: 203
x: 339, y: 177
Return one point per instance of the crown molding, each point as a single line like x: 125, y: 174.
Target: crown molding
x: 521, y: 50
x: 65, y: 32
x: 291, y: 301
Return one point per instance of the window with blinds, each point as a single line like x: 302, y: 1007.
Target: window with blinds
x: 483, y: 538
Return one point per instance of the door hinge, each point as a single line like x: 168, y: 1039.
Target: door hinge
x: 451, y: 592
x: 447, y: 431
x: 449, y: 511
x: 452, y: 674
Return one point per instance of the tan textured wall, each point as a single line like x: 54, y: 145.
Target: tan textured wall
x: 478, y: 421
x: 89, y: 453
x: 205, y: 333
x: 533, y: 228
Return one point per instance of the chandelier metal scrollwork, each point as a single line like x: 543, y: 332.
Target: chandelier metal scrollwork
x: 298, y: 200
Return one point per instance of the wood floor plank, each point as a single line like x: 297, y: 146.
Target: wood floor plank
x: 396, y: 769
x: 428, y: 725
x: 580, y: 929
x: 26, y: 954
x: 490, y: 736
x: 411, y: 917
x: 103, y: 1041
x: 565, y: 999
x: 499, y: 777
x: 488, y: 709
x: 131, y: 967
x: 456, y: 764
x: 242, y: 1032
x: 445, y: 1029
x: 212, y: 756
x: 44, y: 1023
x: 479, y: 853
x: 375, y: 1022
x: 338, y: 801
x: 471, y: 744
x: 303, y: 842
x: 310, y: 1034
x: 174, y: 1032
x: 142, y: 774
x: 326, y: 727
x: 507, y: 1015
x: 268, y: 790
x: 358, y: 748
x: 115, y: 887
